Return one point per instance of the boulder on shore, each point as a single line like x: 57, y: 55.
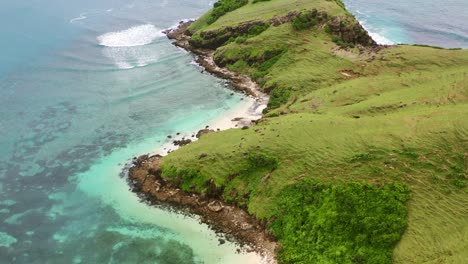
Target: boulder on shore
x: 204, y: 132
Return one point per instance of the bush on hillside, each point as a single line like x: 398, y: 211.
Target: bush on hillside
x: 222, y: 7
x: 351, y: 223
x: 278, y: 96
x: 305, y: 20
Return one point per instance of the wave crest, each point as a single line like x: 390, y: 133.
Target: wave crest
x: 134, y: 36
x: 81, y: 17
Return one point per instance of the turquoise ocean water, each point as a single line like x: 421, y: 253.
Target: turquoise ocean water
x: 87, y: 85
x: 429, y: 22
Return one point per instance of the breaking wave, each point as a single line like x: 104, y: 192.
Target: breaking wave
x: 134, y: 36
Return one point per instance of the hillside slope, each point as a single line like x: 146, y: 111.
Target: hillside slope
x: 362, y: 154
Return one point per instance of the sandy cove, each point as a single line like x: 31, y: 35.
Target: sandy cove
x: 145, y: 174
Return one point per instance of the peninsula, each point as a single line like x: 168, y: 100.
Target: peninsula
x: 361, y: 156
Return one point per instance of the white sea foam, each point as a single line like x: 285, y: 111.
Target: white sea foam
x: 135, y: 36
x: 176, y: 25
x: 380, y: 39
x: 81, y: 17
x: 131, y: 57
x: 124, y: 65
x: 376, y: 36
x: 127, y: 47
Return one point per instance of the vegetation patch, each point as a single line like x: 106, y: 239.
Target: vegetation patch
x: 351, y: 223
x: 213, y: 39
x: 309, y: 19
x: 346, y: 31
x: 188, y: 179
x: 236, y: 189
x: 252, y: 31
x: 222, y: 7
x: 253, y: 56
x: 256, y: 60
x: 278, y: 97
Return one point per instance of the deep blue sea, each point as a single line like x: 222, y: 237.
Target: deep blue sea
x: 87, y: 85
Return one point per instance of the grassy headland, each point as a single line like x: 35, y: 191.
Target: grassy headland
x: 362, y: 154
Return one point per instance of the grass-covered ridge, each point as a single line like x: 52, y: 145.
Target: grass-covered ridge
x: 347, y: 122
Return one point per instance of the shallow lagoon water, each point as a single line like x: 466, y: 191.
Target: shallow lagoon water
x: 84, y: 87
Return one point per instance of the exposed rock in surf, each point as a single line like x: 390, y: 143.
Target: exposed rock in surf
x: 182, y: 142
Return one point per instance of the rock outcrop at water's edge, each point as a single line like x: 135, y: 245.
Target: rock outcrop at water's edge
x: 145, y: 179
x: 243, y: 83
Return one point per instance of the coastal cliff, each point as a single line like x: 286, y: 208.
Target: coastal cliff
x: 360, y: 157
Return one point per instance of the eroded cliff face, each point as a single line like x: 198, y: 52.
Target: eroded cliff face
x: 212, y: 39
x: 350, y: 31
x: 347, y: 28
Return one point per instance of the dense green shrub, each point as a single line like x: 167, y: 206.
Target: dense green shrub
x: 349, y: 223
x: 222, y: 7
x: 340, y: 42
x: 244, y: 183
x: 261, y: 58
x: 252, y: 32
x: 185, y: 178
x: 240, y: 39
x: 269, y: 63
x: 278, y: 96
x: 258, y: 160
x: 305, y: 20
x: 212, y: 39
x: 263, y: 68
x: 257, y: 29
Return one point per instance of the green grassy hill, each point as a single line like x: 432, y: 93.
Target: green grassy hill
x: 362, y: 154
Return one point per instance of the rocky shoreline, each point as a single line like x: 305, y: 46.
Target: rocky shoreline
x: 233, y: 222
x: 205, y: 59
